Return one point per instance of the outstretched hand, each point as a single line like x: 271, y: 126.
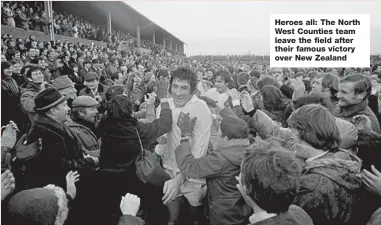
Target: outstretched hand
x: 71, y: 179
x: 162, y: 87
x: 186, y: 124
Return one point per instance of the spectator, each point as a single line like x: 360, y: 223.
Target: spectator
x: 354, y: 91
x: 219, y: 168
x: 48, y: 205
x: 30, y: 89
x: 269, y: 182
x: 9, y: 15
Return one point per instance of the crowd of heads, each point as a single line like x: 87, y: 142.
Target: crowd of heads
x: 309, y: 130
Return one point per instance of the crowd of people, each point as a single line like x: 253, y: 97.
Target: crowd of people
x: 228, y: 139
x: 32, y: 16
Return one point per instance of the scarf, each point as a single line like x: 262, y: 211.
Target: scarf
x: 10, y: 86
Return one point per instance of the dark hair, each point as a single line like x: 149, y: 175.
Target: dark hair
x: 32, y: 69
x: 4, y: 65
x: 271, y: 175
x: 317, y: 126
x: 273, y: 99
x: 266, y: 80
x: 313, y: 74
x: 330, y: 81
x: 375, y: 66
x: 362, y: 83
x: 119, y: 107
x: 313, y: 98
x: 224, y: 74
x: 184, y: 74
x: 115, y: 75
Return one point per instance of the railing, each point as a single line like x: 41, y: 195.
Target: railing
x: 41, y: 36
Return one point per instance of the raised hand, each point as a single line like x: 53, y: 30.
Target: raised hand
x: 71, y: 179
x: 247, y: 101
x: 162, y: 87
x: 299, y: 88
x: 129, y: 205
x: 186, y: 124
x: 130, y: 83
x: 234, y: 94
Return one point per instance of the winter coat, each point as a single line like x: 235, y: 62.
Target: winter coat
x: 102, y: 89
x: 23, y: 21
x: 220, y: 168
x: 76, y: 78
x: 45, y: 24
x: 329, y: 189
x: 120, y: 144
x: 348, y: 113
x: 10, y: 98
x: 294, y: 216
x: 28, y: 91
x: 86, y: 137
x: 82, y: 72
x: 57, y: 157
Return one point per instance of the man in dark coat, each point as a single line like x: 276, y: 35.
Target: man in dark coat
x: 59, y: 152
x: 120, y: 148
x: 220, y: 168
x: 95, y: 90
x: 354, y: 91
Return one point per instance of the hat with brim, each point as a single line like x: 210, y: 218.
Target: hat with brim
x: 48, y: 99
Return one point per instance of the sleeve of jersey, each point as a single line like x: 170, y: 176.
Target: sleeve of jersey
x: 202, y: 129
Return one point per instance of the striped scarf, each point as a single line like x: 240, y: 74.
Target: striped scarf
x: 10, y: 86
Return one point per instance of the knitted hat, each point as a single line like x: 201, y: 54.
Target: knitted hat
x: 47, y: 99
x: 45, y: 206
x: 91, y: 76
x: 84, y: 101
x: 233, y: 127
x: 62, y: 82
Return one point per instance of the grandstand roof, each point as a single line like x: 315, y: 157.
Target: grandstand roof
x: 123, y: 17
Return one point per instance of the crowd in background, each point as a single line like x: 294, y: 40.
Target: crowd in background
x: 32, y: 16
x: 236, y: 141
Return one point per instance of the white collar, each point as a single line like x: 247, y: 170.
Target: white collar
x: 172, y: 103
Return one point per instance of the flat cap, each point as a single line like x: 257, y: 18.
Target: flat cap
x: 91, y: 76
x: 84, y: 101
